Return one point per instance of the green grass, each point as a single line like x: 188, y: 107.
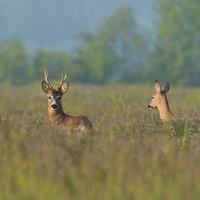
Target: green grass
x: 131, y: 156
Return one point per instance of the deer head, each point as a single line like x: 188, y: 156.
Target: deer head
x: 159, y: 100
x: 159, y: 96
x: 55, y: 95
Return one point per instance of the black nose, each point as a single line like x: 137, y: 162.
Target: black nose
x: 149, y: 106
x: 54, y: 106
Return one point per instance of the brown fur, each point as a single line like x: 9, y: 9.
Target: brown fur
x: 56, y: 114
x: 159, y: 100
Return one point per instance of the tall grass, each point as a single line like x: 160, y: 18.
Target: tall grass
x: 132, y: 155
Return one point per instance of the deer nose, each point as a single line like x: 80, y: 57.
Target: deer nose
x: 54, y: 106
x: 149, y: 106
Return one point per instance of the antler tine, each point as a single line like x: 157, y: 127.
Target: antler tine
x: 47, y: 79
x: 63, y: 80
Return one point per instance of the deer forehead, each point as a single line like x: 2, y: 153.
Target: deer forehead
x: 159, y: 95
x: 54, y: 93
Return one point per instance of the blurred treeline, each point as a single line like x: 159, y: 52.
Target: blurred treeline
x: 120, y: 51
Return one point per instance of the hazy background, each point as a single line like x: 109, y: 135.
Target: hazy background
x: 100, y: 41
x: 42, y: 24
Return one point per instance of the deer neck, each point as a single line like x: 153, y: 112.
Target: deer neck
x: 164, y: 110
x: 57, y: 116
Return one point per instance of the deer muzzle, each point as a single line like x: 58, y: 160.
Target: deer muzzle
x: 150, y: 107
x: 54, y: 105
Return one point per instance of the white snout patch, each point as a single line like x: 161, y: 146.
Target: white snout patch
x: 54, y: 105
x: 150, y: 107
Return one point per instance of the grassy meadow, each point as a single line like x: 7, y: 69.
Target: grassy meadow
x: 130, y: 156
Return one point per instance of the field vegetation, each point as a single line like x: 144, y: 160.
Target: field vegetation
x: 131, y: 155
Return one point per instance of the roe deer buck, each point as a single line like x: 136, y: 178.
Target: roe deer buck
x: 55, y: 110
x: 159, y: 100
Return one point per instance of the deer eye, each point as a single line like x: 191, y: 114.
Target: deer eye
x: 152, y: 97
x: 49, y: 97
x: 59, y: 98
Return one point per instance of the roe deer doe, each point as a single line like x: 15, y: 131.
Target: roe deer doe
x: 159, y: 100
x: 55, y: 110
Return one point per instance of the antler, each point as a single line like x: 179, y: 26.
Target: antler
x: 62, y: 81
x: 47, y: 80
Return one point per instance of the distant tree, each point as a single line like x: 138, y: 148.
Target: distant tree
x: 55, y: 62
x: 116, y: 51
x: 177, y: 51
x: 97, y: 59
x: 13, y: 63
x: 129, y: 44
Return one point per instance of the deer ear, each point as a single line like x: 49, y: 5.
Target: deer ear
x: 45, y: 87
x: 64, y: 87
x: 157, y: 86
x: 167, y: 87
